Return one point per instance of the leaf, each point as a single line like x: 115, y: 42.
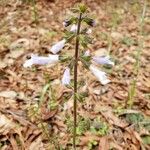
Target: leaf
x: 13, y: 142
x: 8, y: 94
x: 146, y: 139
x: 20, y: 43
x: 111, y: 118
x: 37, y: 144
x: 44, y: 91
x: 6, y: 125
x: 85, y: 139
x: 134, y: 118
x: 46, y: 114
x: 103, y: 144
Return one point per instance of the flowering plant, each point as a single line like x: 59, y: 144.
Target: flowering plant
x: 81, y: 36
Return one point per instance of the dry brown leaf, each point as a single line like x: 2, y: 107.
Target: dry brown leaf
x: 13, y: 142
x: 48, y: 114
x: 6, y: 125
x: 20, y: 43
x: 8, y: 94
x: 112, y: 119
x: 116, y: 146
x: 37, y: 144
x: 104, y: 144
x: 85, y: 139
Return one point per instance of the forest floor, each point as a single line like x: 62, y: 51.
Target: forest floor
x: 36, y: 109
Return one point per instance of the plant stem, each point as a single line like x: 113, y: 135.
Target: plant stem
x: 35, y: 15
x: 75, y: 81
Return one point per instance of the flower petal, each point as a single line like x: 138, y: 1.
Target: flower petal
x: 40, y: 60
x: 100, y: 75
x: 28, y: 63
x: 87, y: 53
x: 103, y: 60
x: 89, y: 31
x: 73, y: 28
x: 66, y: 77
x: 58, y: 46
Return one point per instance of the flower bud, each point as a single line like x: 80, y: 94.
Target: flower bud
x: 67, y: 22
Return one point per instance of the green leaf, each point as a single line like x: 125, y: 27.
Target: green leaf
x: 75, y: 10
x: 99, y: 128
x: 81, y: 96
x: 44, y: 91
x: 85, y: 40
x: 82, y: 8
x: 85, y: 63
x: 65, y: 58
x: 134, y: 118
x: 146, y: 139
x: 69, y: 35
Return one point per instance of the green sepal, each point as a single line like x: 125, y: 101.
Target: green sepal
x: 81, y: 96
x: 85, y: 40
x: 89, y: 21
x: 64, y: 58
x: 84, y: 31
x: 86, y: 60
x: 69, y: 35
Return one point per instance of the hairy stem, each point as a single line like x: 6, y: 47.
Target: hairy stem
x: 75, y: 81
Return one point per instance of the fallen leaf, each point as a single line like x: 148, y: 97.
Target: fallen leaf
x: 103, y: 144
x: 37, y: 144
x: 8, y: 94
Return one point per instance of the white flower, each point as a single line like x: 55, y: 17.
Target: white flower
x: 40, y: 60
x: 58, y: 46
x: 64, y: 24
x: 87, y: 53
x: 100, y: 75
x: 66, y: 76
x: 89, y: 31
x: 103, y: 60
x: 73, y: 28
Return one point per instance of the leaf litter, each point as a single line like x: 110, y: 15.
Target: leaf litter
x: 25, y: 125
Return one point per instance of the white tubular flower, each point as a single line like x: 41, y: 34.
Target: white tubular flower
x: 103, y: 60
x: 100, y: 75
x: 58, y: 46
x: 40, y: 60
x: 73, y: 28
x: 66, y: 76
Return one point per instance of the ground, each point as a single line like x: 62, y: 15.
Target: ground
x: 36, y: 109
